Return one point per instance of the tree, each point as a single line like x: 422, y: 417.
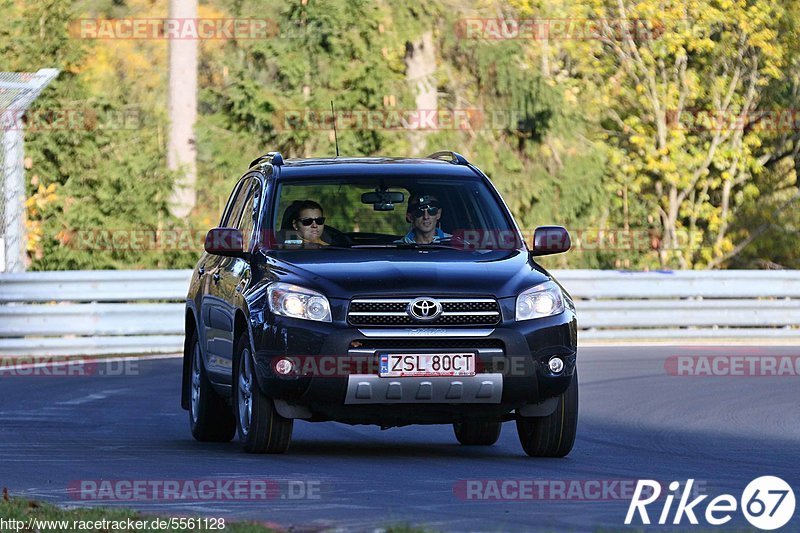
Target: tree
x: 682, y: 103
x: 97, y: 164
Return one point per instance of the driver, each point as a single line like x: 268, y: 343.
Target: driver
x: 424, y: 212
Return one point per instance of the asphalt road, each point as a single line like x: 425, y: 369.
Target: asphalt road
x: 636, y: 421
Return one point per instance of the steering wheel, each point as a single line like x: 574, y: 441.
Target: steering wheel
x: 337, y: 237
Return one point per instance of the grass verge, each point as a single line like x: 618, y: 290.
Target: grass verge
x: 23, y: 516
x: 18, y: 515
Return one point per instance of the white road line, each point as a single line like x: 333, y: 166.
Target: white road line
x: 61, y: 360
x: 92, y: 397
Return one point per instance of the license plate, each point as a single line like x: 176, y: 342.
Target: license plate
x: 394, y: 365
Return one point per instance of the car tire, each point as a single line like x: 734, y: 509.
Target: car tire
x: 477, y: 433
x: 210, y: 416
x: 261, y: 429
x: 552, y: 435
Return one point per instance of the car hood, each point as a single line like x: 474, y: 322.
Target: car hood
x: 397, y: 272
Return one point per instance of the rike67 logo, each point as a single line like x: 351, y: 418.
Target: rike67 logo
x: 767, y: 503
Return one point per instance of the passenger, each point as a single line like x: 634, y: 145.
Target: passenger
x: 424, y: 212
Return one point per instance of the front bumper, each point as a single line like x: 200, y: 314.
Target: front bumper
x: 512, y: 367
x: 374, y: 389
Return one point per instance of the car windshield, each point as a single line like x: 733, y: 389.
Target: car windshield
x: 389, y: 212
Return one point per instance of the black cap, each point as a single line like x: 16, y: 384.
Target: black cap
x: 422, y: 200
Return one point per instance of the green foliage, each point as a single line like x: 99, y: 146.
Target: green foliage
x: 534, y: 142
x: 97, y: 160
x: 578, y: 132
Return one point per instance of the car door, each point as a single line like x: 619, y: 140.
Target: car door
x: 217, y: 322
x: 232, y: 276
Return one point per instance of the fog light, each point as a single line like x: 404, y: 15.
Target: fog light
x: 284, y: 367
x: 556, y: 365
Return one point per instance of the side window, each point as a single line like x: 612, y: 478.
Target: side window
x: 234, y: 210
x: 249, y: 213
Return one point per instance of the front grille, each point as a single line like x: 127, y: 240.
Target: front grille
x: 427, y: 343
x: 393, y: 312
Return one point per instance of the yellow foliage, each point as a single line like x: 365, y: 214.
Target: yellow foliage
x: 40, y: 199
x: 141, y: 59
x: 34, y: 206
x: 524, y: 7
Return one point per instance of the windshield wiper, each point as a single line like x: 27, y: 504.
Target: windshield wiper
x: 291, y: 248
x: 326, y: 247
x: 409, y: 246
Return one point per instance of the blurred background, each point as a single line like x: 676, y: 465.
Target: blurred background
x: 663, y: 134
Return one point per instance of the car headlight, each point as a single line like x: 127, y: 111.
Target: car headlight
x: 540, y: 301
x: 298, y: 302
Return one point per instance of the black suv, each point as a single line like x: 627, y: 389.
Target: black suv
x: 380, y: 291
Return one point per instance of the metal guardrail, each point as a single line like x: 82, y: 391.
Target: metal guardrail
x: 105, y: 312
x: 92, y: 312
x: 94, y: 286
x: 674, y: 305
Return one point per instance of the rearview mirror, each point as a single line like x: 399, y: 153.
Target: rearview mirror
x: 382, y: 200
x: 225, y: 241
x: 382, y: 197
x: 550, y: 240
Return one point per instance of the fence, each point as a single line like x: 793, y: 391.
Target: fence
x: 17, y: 91
x: 105, y: 312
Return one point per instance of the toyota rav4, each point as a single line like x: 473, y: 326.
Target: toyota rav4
x: 381, y: 291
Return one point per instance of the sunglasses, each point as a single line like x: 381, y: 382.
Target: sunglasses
x: 432, y: 210
x: 308, y: 221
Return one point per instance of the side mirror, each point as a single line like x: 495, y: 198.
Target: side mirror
x: 550, y: 240
x: 225, y: 241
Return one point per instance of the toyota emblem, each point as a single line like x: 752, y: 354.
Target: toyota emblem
x: 424, y: 309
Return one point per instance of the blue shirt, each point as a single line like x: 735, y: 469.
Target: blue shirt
x: 410, y: 237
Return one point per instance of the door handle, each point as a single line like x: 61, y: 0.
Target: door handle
x: 215, y: 277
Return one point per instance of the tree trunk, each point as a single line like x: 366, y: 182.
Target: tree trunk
x: 420, y: 69
x: 181, y: 149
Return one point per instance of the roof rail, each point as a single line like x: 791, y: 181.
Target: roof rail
x: 455, y: 157
x: 275, y: 159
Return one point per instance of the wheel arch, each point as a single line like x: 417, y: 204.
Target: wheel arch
x: 241, y: 324
x: 190, y: 328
